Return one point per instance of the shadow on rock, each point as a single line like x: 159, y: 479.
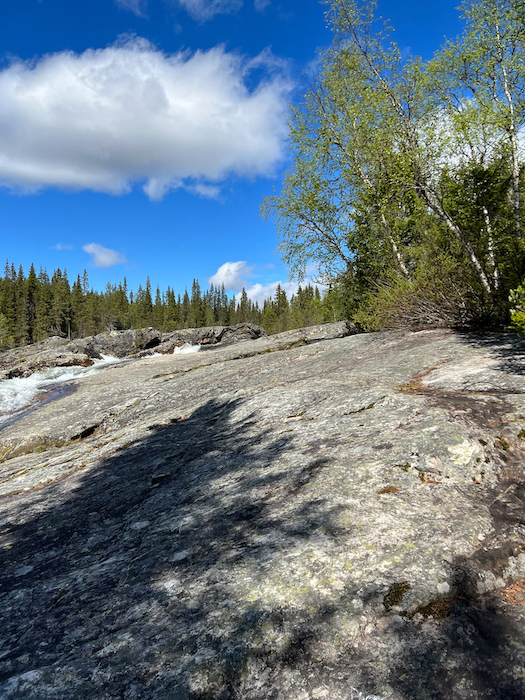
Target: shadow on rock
x: 472, y: 647
x: 138, y: 579
x: 508, y: 348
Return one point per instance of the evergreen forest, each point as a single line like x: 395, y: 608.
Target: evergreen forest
x: 35, y: 306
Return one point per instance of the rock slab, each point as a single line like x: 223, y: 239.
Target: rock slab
x: 294, y: 517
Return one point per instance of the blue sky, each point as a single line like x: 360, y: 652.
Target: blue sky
x: 139, y: 137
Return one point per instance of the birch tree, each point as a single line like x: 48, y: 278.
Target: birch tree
x: 397, y: 163
x: 478, y: 84
x: 344, y: 138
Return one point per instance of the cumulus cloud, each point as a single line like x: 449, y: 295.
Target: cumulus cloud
x: 109, y: 118
x: 138, y: 7
x: 103, y: 257
x: 232, y: 275
x: 261, y: 5
x: 206, y: 9
x: 259, y: 292
x: 235, y: 276
x: 208, y: 191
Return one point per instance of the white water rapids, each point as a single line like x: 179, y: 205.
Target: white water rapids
x: 20, y: 395
x: 186, y: 348
x: 177, y: 350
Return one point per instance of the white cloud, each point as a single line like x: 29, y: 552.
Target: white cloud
x: 452, y: 140
x: 233, y: 275
x: 109, y: 118
x: 206, y: 9
x: 138, y: 7
x: 261, y: 5
x: 208, y: 191
x: 103, y: 257
x: 62, y: 246
x: 259, y: 292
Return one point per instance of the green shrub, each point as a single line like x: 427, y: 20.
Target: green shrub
x: 427, y: 301
x: 517, y: 310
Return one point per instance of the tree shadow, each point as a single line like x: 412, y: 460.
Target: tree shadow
x: 148, y: 577
x: 508, y: 348
x: 127, y: 580
x: 466, y: 645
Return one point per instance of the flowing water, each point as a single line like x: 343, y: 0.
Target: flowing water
x: 18, y: 396
x: 186, y: 348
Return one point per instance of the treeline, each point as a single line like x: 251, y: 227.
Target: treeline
x: 35, y: 306
x: 407, y: 177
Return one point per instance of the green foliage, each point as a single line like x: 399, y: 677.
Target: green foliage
x: 33, y: 308
x: 517, y: 309
x: 6, y: 337
x: 399, y: 165
x: 426, y: 301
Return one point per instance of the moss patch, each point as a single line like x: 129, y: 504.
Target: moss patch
x: 502, y: 443
x: 438, y: 609
x: 396, y: 593
x: 405, y: 467
x: 388, y: 489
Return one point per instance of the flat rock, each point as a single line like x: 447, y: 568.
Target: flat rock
x: 303, y: 516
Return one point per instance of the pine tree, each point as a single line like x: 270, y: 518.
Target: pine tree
x: 43, y: 307
x: 8, y: 301
x: 158, y: 311
x: 197, y: 314
x: 60, y: 311
x: 32, y: 289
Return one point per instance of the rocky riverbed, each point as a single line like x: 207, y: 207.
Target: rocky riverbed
x: 293, y: 517
x: 60, y: 352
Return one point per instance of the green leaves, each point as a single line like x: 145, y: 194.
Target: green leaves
x: 397, y: 162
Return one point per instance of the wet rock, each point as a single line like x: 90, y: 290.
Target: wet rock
x: 48, y: 358
x: 10, y: 359
x: 289, y: 517
x: 58, y: 352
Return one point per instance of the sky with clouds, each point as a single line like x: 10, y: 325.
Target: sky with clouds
x: 139, y: 137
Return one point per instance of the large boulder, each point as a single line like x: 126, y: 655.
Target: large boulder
x: 51, y: 352
x: 46, y: 359
x: 209, y: 335
x: 9, y: 359
x: 117, y: 343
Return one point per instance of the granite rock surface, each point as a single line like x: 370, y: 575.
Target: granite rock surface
x: 295, y: 517
x: 59, y: 352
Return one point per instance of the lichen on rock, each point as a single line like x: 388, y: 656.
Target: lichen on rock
x: 271, y: 519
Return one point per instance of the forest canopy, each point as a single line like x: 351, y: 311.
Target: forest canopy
x: 406, y: 176
x: 36, y: 306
